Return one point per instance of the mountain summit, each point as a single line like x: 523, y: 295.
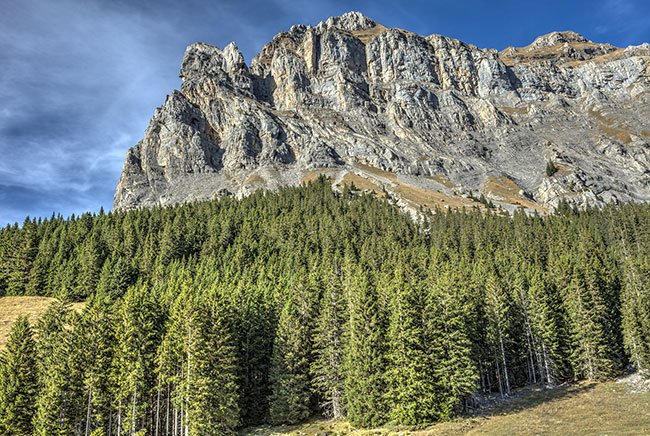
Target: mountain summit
x: 427, y: 120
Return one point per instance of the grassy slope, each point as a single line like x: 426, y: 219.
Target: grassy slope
x: 585, y: 409
x: 11, y: 307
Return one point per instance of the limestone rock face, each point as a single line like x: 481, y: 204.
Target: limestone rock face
x: 427, y: 119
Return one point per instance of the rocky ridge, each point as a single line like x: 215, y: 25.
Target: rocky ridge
x: 427, y: 120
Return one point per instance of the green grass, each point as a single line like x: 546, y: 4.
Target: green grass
x: 584, y: 409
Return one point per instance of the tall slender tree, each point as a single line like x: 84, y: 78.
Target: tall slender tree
x: 18, y: 381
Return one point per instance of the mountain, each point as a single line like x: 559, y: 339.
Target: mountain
x: 427, y: 120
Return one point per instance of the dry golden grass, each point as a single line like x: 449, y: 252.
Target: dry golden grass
x: 431, y: 199
x: 607, y: 57
x: 582, y: 410
x: 508, y: 190
x: 443, y: 180
x: 366, y: 35
x: 12, y: 307
x: 522, y: 110
x: 255, y: 179
x: 313, y: 175
x: 586, y: 409
x: 421, y: 197
x: 609, y: 126
x: 362, y: 183
x: 378, y: 172
x: 554, y: 52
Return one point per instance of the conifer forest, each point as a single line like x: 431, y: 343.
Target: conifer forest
x: 204, y: 318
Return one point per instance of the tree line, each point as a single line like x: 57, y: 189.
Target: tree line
x: 206, y: 317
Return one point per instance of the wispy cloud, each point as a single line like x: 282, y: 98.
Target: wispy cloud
x: 79, y: 80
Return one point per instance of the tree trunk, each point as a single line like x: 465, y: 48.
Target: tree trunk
x: 89, y: 411
x: 135, y: 392
x: 181, y: 416
x: 530, y: 355
x: 110, y: 419
x: 167, y: 413
x: 65, y: 405
x: 187, y: 391
x: 496, y: 360
x: 546, y: 366
x: 175, y: 421
x: 119, y: 418
x: 505, y: 366
x: 157, y: 408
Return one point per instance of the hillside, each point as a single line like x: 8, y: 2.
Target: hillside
x: 427, y: 120
x: 305, y: 302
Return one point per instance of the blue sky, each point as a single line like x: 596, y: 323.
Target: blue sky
x: 79, y: 80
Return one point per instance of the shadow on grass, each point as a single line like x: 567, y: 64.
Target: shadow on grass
x: 524, y: 398
x: 531, y: 396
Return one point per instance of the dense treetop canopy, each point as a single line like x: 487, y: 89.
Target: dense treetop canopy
x: 205, y: 317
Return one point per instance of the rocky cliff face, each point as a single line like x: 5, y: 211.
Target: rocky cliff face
x: 430, y: 120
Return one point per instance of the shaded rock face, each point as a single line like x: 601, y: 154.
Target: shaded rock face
x: 424, y: 118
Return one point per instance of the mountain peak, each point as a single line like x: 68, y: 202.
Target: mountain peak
x: 350, y: 22
x: 553, y: 38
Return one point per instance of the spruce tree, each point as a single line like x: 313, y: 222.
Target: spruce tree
x: 327, y: 366
x: 365, y: 358
x: 448, y: 339
x: 592, y: 302
x: 253, y: 333
x: 214, y: 399
x: 289, y: 376
x: 412, y: 389
x: 54, y: 350
x: 18, y: 381
x: 139, y: 330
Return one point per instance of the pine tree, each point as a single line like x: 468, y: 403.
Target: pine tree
x: 99, y: 340
x: 548, y: 328
x: 213, y: 391
x: 592, y: 302
x: 253, y: 334
x: 54, y: 350
x: 327, y: 366
x: 449, y: 350
x: 198, y: 361
x: 138, y: 335
x: 412, y: 390
x: 21, y: 256
x: 550, y: 168
x: 365, y: 354
x: 496, y: 301
x: 18, y: 381
x: 289, y: 376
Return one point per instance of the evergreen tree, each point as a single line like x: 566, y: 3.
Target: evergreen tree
x: 289, y: 376
x: 22, y: 251
x: 138, y: 335
x: 592, y: 302
x: 208, y: 316
x: 327, y: 366
x: 253, y: 334
x: 365, y: 354
x: 54, y: 350
x: 449, y: 351
x: 18, y: 381
x: 412, y: 388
